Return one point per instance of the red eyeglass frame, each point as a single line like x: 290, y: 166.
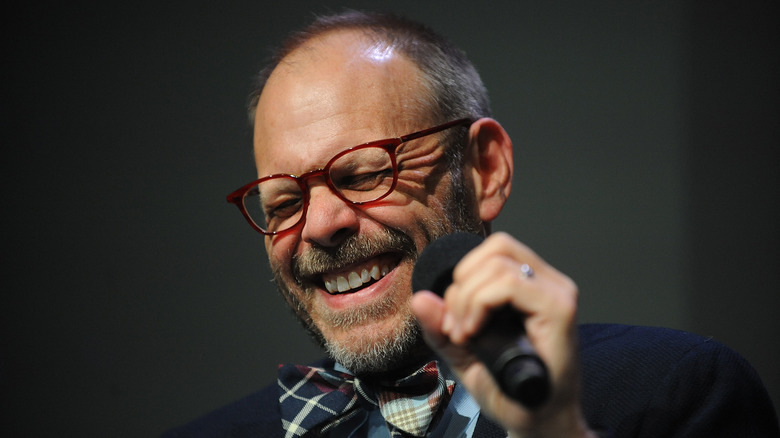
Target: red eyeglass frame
x: 390, y: 145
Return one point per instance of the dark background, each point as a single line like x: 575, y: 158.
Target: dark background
x: 134, y: 298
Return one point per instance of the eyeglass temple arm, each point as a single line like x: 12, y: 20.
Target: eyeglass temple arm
x: 429, y: 131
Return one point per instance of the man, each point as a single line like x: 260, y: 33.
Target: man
x: 344, y: 225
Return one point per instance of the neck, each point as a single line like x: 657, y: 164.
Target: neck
x: 418, y: 356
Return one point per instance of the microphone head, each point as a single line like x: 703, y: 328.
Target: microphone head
x: 433, y: 269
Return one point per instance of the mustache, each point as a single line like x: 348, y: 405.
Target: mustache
x: 353, y: 249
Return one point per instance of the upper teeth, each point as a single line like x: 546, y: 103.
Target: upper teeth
x: 355, y: 279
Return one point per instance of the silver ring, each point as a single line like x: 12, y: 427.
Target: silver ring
x: 526, y: 271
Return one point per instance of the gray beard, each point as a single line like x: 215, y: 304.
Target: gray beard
x: 404, y: 344
x: 364, y: 355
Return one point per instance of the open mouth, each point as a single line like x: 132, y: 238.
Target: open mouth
x: 358, y: 277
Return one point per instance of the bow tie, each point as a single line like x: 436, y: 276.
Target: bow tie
x: 315, y: 400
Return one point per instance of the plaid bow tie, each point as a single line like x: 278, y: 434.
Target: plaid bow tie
x: 315, y: 400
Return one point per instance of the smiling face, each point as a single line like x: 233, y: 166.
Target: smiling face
x: 346, y: 269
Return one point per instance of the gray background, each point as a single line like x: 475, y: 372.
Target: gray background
x: 135, y: 298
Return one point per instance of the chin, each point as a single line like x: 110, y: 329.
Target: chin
x: 377, y: 347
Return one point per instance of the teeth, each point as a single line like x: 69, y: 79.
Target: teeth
x: 354, y: 279
x: 343, y: 285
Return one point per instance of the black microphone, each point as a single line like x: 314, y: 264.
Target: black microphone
x: 501, y: 344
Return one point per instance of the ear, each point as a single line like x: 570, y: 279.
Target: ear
x: 490, y: 162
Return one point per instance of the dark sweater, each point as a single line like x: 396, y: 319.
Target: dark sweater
x: 637, y: 382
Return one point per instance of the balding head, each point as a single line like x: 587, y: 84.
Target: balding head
x: 453, y: 87
x: 345, y: 87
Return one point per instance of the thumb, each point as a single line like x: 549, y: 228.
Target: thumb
x: 429, y: 309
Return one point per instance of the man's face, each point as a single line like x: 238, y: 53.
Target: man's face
x: 336, y: 92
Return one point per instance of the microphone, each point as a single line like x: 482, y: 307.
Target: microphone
x: 501, y: 344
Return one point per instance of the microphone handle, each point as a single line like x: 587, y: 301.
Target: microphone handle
x: 503, y: 347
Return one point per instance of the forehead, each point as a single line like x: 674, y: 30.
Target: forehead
x: 334, y: 92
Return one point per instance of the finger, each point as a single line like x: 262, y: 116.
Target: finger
x: 495, y: 270
x: 498, y: 283
x: 499, y: 244
x: 490, y: 276
x: 429, y: 309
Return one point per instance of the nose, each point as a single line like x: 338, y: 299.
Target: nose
x: 329, y: 219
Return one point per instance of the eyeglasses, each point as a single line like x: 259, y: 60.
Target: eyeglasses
x: 359, y: 175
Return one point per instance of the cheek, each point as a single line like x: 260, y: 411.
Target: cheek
x: 420, y: 183
x: 280, y: 250
x: 421, y: 222
x: 418, y: 194
x: 412, y: 208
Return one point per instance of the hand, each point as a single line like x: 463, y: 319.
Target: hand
x: 488, y: 278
